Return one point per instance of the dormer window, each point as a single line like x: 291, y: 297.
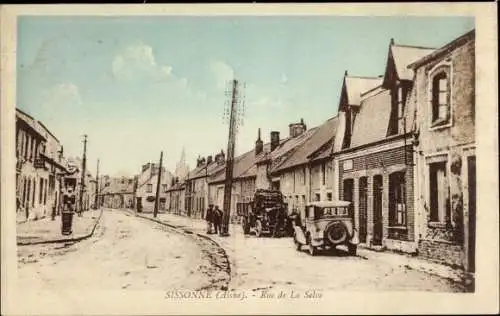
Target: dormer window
x: 440, y: 97
x: 401, y: 101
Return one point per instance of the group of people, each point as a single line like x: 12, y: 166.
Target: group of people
x: 214, y: 219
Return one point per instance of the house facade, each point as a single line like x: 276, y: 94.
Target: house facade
x: 301, y: 179
x: 118, y: 192
x: 39, y: 168
x: 176, y: 198
x: 197, y: 189
x: 147, y: 181
x: 376, y: 163
x: 243, y: 186
x: 443, y: 118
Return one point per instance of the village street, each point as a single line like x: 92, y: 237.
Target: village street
x: 133, y: 253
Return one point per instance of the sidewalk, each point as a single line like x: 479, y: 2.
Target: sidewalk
x: 199, y: 226
x: 48, y: 231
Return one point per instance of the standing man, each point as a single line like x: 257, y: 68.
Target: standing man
x: 217, y: 218
x: 209, y: 217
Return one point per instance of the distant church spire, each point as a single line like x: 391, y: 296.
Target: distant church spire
x: 183, y: 155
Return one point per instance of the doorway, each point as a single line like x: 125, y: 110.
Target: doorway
x: 349, y: 193
x: 471, y: 174
x: 363, y: 205
x: 139, y: 204
x: 377, y: 210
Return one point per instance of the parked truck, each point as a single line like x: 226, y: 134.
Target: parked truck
x: 266, y: 214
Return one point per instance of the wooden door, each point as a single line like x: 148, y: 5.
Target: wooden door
x: 377, y: 210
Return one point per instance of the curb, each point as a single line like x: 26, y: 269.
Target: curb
x: 60, y: 240
x: 429, y: 267
x: 190, y: 232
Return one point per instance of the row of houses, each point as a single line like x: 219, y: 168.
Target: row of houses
x: 40, y: 166
x: 401, y: 147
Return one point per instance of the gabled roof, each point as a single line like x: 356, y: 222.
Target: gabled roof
x: 399, y: 57
x: 242, y: 164
x: 444, y: 50
x: 203, y: 170
x: 119, y: 185
x: 285, y: 148
x: 373, y: 118
x: 176, y: 187
x: 323, y: 152
x: 355, y: 86
x: 320, y: 136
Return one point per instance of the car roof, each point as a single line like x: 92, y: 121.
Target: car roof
x: 335, y: 203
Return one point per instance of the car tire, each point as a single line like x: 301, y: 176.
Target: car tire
x: 352, y: 249
x: 336, y: 233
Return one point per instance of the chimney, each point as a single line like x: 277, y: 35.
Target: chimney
x: 275, y: 139
x: 297, y: 129
x: 209, y: 159
x: 259, y: 144
x: 219, y: 158
x: 392, y: 41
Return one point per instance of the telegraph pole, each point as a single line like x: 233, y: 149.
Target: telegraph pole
x: 82, y: 184
x: 233, y: 115
x: 157, y: 200
x: 96, y: 206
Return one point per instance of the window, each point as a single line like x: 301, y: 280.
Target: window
x: 304, y: 176
x: 397, y: 199
x: 165, y: 188
x: 323, y: 173
x: 317, y: 196
x: 45, y: 194
x: 440, y: 99
x: 329, y: 196
x: 149, y: 188
x: 438, y: 193
x: 33, y: 195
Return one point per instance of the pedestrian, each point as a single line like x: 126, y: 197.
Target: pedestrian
x: 209, y: 217
x: 217, y: 219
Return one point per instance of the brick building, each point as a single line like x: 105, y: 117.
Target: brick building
x: 376, y: 165
x: 442, y: 116
x: 39, y: 167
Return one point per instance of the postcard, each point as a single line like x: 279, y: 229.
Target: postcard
x: 249, y: 159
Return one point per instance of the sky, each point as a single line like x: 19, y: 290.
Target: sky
x: 140, y: 85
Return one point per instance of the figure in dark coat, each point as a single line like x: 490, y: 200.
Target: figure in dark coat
x: 217, y: 219
x: 209, y: 217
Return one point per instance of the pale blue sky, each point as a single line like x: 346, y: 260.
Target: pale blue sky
x: 138, y: 85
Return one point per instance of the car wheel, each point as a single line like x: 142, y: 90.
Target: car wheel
x: 258, y: 228
x: 351, y: 249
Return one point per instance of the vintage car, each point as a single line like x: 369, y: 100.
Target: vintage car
x: 326, y: 225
